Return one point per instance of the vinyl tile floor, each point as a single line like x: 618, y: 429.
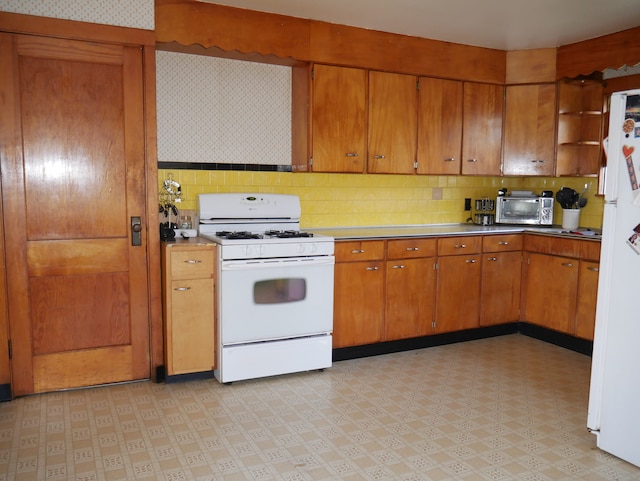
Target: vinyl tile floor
x: 504, y: 408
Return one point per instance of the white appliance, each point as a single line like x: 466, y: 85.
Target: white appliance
x: 275, y: 286
x: 614, y: 398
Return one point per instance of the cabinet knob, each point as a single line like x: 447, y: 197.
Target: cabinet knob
x: 503, y: 243
x: 472, y: 160
x: 357, y: 251
x: 412, y: 249
x: 538, y: 161
x: 470, y: 261
x: 373, y: 268
x: 460, y: 246
x: 398, y: 267
x: 492, y: 258
x: 378, y: 157
x: 192, y: 261
x: 450, y: 159
x: 594, y: 269
x: 567, y: 264
x: 182, y: 289
x: 352, y: 154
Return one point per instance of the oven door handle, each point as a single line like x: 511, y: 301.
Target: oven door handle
x: 271, y: 263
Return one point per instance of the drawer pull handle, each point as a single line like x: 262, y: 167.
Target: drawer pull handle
x: 538, y: 161
x: 472, y: 160
x: 460, y: 246
x: 503, y: 243
x: 470, y: 261
x: 371, y: 268
x: 567, y: 264
x: 450, y: 159
x: 594, y: 269
x: 357, y: 251
x: 378, y: 157
x: 182, y: 289
x: 193, y: 261
x: 492, y: 258
x: 413, y: 249
x: 398, y: 267
x: 352, y: 154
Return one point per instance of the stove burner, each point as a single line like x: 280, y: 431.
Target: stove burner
x: 237, y: 235
x: 287, y: 234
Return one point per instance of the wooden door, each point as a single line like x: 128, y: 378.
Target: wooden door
x: 73, y: 189
x: 482, y: 129
x: 550, y: 293
x: 410, y: 298
x: 458, y: 293
x: 439, y: 126
x: 393, y: 102
x: 529, y: 130
x: 339, y: 133
x: 586, y: 300
x: 500, y: 289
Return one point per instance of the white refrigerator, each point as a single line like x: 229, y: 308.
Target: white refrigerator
x: 614, y: 395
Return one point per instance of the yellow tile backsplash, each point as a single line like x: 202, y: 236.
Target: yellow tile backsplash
x: 337, y: 200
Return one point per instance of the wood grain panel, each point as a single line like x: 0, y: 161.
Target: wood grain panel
x: 232, y: 29
x: 352, y: 46
x: 502, y: 242
x: 67, y: 257
x: 561, y: 246
x: 79, y: 312
x: 531, y: 66
x: 609, y: 51
x: 455, y: 245
x: 55, y: 160
x: 352, y: 251
x: 410, y: 248
x: 62, y: 371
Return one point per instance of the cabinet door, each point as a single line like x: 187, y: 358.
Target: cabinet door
x: 339, y: 119
x: 393, y: 102
x: 358, y: 303
x: 500, y: 288
x: 586, y: 301
x: 482, y: 129
x: 551, y: 288
x: 458, y: 293
x: 411, y: 290
x: 439, y: 126
x: 529, y: 130
x: 190, y: 337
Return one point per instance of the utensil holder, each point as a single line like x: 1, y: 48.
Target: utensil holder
x: 570, y: 219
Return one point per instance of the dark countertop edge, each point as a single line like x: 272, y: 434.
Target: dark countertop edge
x: 435, y: 230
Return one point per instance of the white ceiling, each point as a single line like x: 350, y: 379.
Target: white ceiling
x: 499, y: 24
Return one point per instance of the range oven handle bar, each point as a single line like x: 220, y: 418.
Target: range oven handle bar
x: 280, y: 263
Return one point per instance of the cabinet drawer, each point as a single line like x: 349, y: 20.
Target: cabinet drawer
x: 350, y: 251
x: 192, y: 264
x: 547, y: 244
x: 410, y: 248
x: 501, y: 243
x: 450, y: 246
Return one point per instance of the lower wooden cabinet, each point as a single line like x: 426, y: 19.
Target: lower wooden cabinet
x: 188, y: 301
x: 500, y: 287
x: 358, y: 311
x: 586, y: 299
x: 410, y: 288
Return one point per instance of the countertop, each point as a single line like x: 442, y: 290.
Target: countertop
x: 394, y: 231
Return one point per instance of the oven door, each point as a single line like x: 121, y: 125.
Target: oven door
x: 266, y: 299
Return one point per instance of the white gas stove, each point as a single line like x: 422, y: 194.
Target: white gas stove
x: 275, y: 286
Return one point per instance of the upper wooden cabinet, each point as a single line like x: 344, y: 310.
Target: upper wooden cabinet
x: 580, y: 106
x: 482, y: 128
x: 529, y: 130
x: 339, y: 119
x: 439, y: 126
x: 392, y: 123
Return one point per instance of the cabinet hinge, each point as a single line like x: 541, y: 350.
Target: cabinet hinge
x: 433, y: 324
x: 310, y: 161
x: 415, y: 164
x: 418, y: 84
x: 435, y: 266
x: 313, y: 73
x: 10, y: 347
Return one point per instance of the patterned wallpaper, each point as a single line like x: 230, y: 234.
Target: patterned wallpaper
x: 216, y: 110
x: 122, y: 13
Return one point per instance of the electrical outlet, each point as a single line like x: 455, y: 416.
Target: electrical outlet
x: 467, y: 204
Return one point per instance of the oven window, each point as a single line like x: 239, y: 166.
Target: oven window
x: 525, y: 210
x: 278, y: 291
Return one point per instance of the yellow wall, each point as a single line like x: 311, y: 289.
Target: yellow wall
x: 330, y: 200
